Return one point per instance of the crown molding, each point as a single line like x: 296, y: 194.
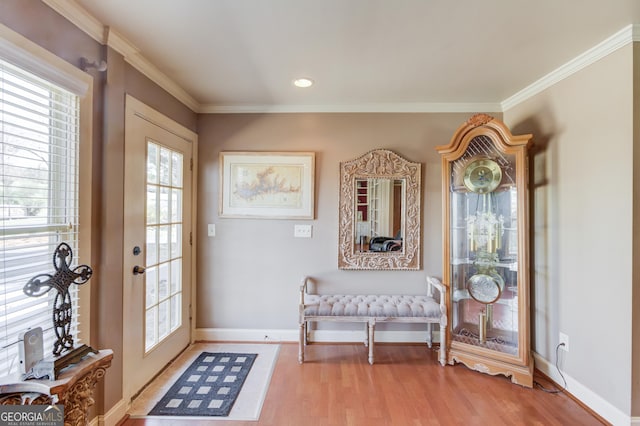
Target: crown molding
x: 419, y: 107
x: 140, y: 63
x: 133, y: 56
x: 86, y: 22
x: 119, y: 43
x: 79, y: 17
x: 620, y: 39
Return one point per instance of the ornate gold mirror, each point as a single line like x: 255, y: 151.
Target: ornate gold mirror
x: 379, y: 212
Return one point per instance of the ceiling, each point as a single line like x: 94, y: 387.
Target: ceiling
x: 363, y: 55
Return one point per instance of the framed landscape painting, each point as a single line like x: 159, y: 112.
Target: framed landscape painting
x: 271, y: 185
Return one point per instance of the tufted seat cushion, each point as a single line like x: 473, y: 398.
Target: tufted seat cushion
x: 371, y: 306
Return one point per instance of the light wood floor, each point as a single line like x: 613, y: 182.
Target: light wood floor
x: 336, y: 386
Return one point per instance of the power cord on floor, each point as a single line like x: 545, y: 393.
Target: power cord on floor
x: 542, y: 388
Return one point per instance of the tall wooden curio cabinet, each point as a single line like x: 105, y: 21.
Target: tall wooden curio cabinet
x: 486, y: 244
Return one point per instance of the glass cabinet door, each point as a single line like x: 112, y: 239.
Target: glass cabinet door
x: 484, y: 250
x: 485, y: 257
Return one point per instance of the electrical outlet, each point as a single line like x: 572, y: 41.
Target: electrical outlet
x: 302, y: 231
x: 564, y: 342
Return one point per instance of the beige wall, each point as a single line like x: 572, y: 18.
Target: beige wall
x: 249, y: 273
x: 582, y: 186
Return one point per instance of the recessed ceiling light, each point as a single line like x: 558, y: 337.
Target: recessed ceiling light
x: 303, y: 82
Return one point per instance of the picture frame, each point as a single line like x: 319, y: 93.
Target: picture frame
x: 267, y: 185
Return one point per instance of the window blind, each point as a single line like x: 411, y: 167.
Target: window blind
x: 39, y: 139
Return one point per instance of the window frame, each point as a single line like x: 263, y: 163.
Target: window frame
x: 33, y: 58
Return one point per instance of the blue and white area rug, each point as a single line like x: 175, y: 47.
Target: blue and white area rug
x: 247, y: 405
x: 209, y: 387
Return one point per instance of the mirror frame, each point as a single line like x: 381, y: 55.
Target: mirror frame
x: 376, y: 164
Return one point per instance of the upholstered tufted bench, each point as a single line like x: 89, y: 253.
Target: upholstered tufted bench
x: 372, y: 309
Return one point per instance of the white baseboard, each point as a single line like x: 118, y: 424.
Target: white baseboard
x: 589, y: 398
x: 114, y: 415
x: 635, y: 420
x: 245, y: 335
x: 340, y: 336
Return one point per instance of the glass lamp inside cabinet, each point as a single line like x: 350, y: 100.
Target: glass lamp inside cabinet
x: 486, y: 253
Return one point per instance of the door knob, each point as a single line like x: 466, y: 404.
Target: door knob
x: 137, y: 270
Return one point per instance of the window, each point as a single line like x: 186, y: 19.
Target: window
x: 40, y: 175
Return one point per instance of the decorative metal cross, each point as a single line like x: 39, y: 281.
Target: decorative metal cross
x: 61, y: 281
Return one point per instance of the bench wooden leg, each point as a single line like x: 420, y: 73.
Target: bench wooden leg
x: 443, y: 344
x: 302, y: 341
x: 366, y: 334
x: 372, y: 327
x: 429, y: 334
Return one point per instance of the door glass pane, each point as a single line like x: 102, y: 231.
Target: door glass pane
x: 151, y: 286
x: 176, y: 241
x: 165, y: 206
x: 163, y: 237
x: 163, y: 281
x: 163, y: 319
x: 176, y: 202
x: 152, y: 163
x: 165, y: 166
x: 151, y: 318
x: 164, y: 243
x: 176, y: 276
x: 152, y: 245
x: 176, y: 311
x: 176, y: 169
x: 152, y: 204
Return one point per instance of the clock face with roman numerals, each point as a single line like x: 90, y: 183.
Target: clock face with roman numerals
x: 482, y: 176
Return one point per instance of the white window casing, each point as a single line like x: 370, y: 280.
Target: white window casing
x: 45, y: 192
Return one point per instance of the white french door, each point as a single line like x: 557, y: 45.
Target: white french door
x: 157, y: 245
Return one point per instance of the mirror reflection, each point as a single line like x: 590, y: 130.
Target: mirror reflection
x: 379, y: 217
x: 378, y: 213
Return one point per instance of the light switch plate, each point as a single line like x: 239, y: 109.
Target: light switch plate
x: 302, y: 231
x: 211, y: 230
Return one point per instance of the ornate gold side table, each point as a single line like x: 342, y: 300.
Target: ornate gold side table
x: 74, y: 388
